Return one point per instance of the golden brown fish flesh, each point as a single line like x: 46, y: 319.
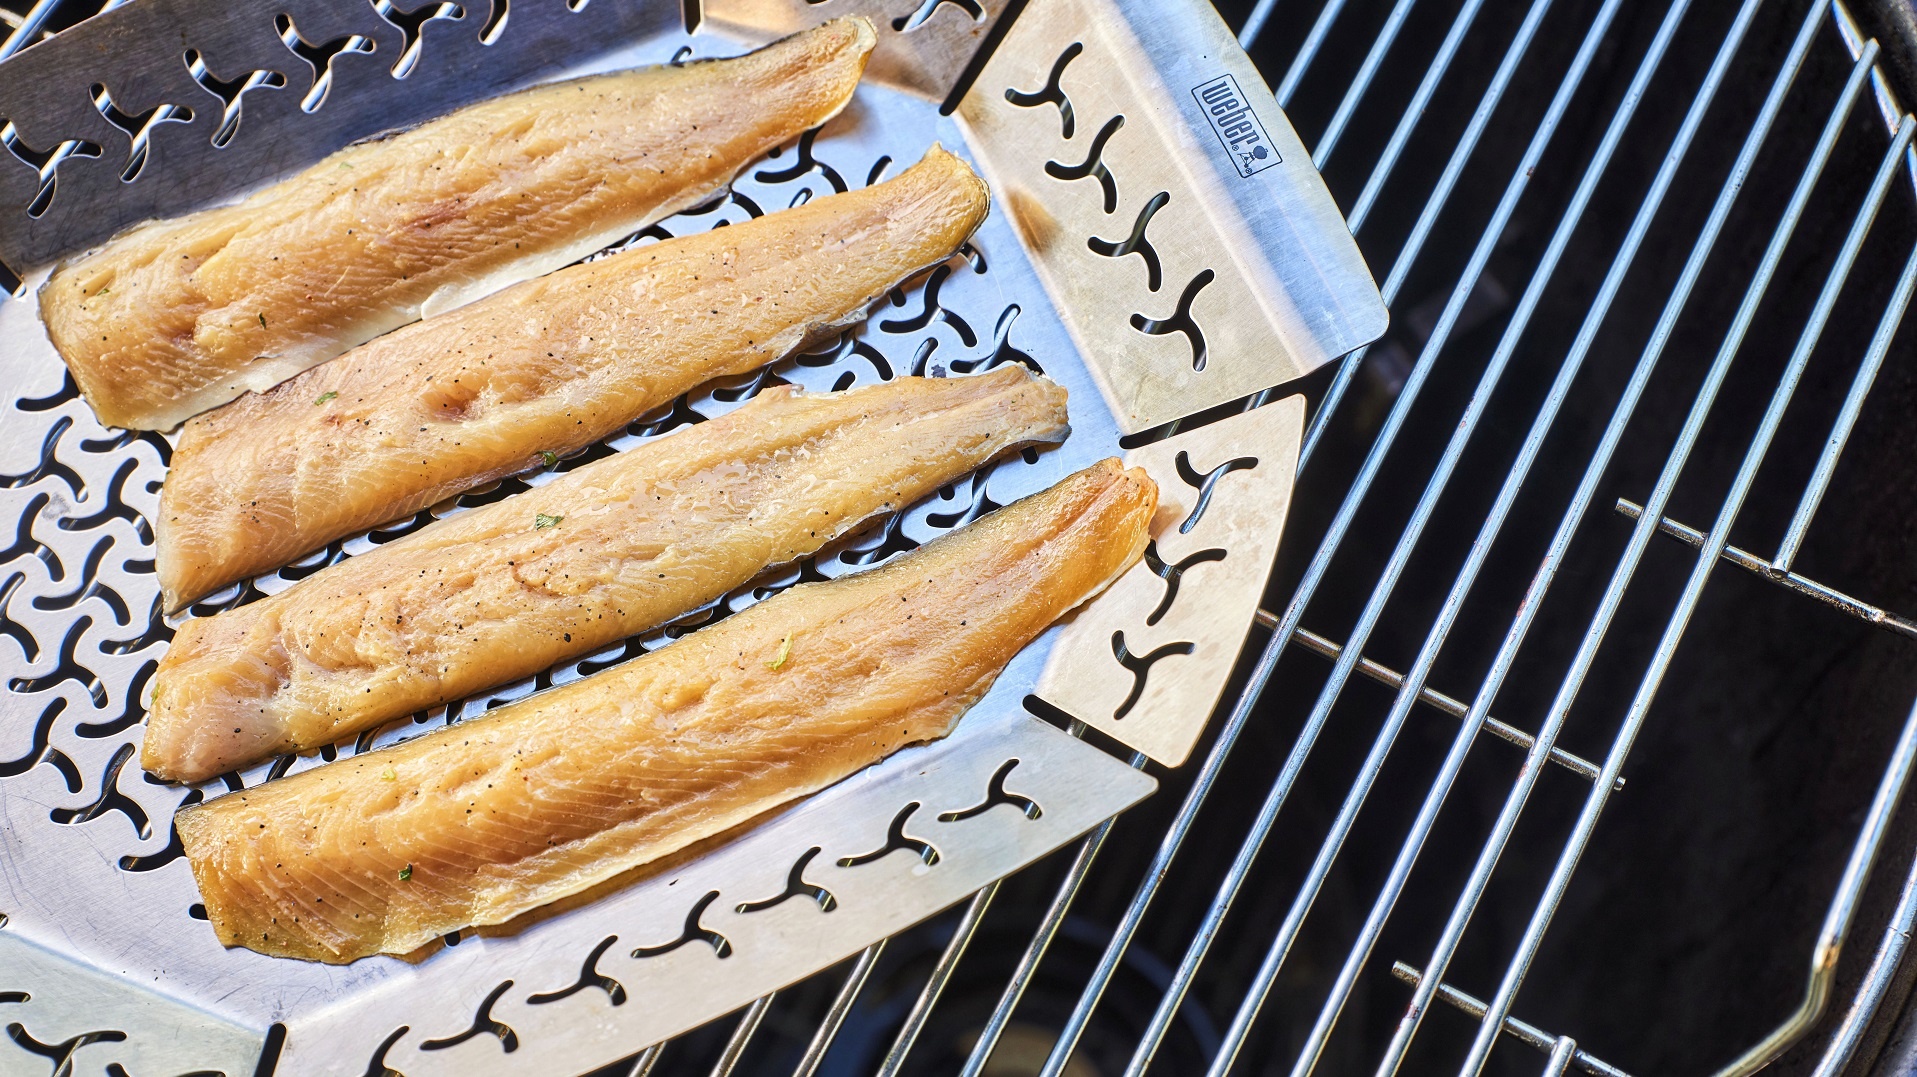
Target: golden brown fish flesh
x: 178, y: 316
x: 609, y: 550
x: 541, y: 799
x: 543, y: 367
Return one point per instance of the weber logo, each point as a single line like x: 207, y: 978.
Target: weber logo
x: 1237, y: 129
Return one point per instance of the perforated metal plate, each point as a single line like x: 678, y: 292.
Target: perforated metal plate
x: 1224, y: 491
x: 103, y: 939
x: 1135, y: 144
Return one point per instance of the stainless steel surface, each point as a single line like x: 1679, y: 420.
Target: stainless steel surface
x: 1041, y: 940
x: 1229, y: 488
x: 1563, y: 1052
x: 46, y: 999
x: 1096, y: 115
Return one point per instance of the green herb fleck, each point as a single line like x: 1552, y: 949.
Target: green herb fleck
x: 785, y: 652
x: 262, y: 321
x: 549, y: 457
x: 324, y: 397
x: 405, y: 873
x: 387, y: 775
x: 344, y: 164
x: 541, y: 521
x: 104, y: 289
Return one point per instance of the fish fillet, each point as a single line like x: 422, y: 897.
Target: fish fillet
x: 628, y: 543
x: 544, y: 367
x: 541, y: 799
x: 178, y: 316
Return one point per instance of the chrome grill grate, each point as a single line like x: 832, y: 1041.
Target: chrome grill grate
x: 1462, y: 232
x: 1647, y: 262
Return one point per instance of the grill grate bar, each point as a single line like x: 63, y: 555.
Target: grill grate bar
x: 1315, y: 40
x: 1693, y: 592
x: 1841, y: 913
x: 1255, y: 23
x: 31, y: 27
x: 1348, y: 105
x: 935, y: 984
x: 1519, y: 796
x: 1846, y: 419
x: 1387, y: 163
x: 1564, y: 1050
x: 642, y: 1065
x: 1888, y: 107
x: 1391, y: 678
x: 1421, y: 99
x: 1757, y: 566
x: 1041, y: 941
x: 1355, y: 799
x: 1563, y: 1053
x: 742, y: 1035
x: 1883, y: 968
x: 1440, y: 196
x: 841, y: 1005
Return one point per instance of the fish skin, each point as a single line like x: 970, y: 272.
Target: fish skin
x: 488, y: 596
x: 552, y: 795
x: 550, y: 365
x: 177, y: 316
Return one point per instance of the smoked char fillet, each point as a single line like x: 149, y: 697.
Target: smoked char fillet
x: 604, y: 552
x: 547, y: 366
x: 174, y: 317
x: 479, y: 822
